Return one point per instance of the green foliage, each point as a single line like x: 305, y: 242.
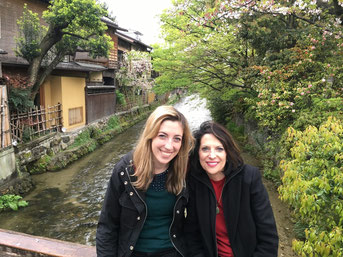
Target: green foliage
x: 41, y: 165
x: 120, y: 98
x: 236, y: 131
x: 18, y: 92
x: 12, y: 202
x: 19, y: 99
x: 82, y: 138
x: 30, y: 35
x: 113, y: 123
x: 313, y: 186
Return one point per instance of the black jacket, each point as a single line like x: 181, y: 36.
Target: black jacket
x: 124, y: 212
x: 249, y: 217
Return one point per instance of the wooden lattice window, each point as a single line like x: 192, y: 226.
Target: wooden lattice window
x: 75, y: 115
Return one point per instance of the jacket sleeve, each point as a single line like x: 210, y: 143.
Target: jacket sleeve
x: 108, y: 225
x: 266, y: 232
x: 192, y: 232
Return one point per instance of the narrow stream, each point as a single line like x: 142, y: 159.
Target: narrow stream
x: 66, y: 204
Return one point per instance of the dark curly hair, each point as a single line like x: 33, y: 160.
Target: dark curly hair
x: 233, y: 155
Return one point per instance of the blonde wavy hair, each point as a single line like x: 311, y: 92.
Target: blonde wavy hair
x: 143, y: 156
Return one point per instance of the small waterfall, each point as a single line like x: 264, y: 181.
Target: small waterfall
x: 195, y: 110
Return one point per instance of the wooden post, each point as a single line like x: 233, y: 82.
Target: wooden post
x: 4, y: 119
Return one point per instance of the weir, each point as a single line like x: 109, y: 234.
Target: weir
x: 65, y: 205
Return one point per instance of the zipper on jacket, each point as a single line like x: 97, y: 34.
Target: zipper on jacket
x: 146, y: 207
x: 215, y: 199
x: 171, y: 224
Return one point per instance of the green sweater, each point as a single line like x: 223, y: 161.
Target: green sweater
x: 154, y: 236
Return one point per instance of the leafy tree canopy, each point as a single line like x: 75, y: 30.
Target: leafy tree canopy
x: 217, y: 42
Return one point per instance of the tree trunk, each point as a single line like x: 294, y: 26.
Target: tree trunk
x: 36, y: 76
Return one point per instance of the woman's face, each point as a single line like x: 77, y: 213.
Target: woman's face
x: 166, y: 145
x: 212, y: 156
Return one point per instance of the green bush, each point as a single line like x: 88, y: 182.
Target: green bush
x: 120, y: 98
x: 313, y: 186
x: 113, y: 123
x: 12, y: 202
x: 41, y: 165
x: 82, y: 138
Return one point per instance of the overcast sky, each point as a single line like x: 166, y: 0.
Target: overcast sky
x: 139, y: 15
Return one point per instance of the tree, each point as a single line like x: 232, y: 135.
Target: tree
x: 72, y: 25
x: 245, y: 48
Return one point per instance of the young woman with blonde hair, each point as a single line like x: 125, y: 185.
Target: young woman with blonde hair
x: 143, y: 210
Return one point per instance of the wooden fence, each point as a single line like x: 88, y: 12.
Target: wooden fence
x: 36, y: 122
x: 5, y: 132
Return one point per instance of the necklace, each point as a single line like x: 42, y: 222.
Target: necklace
x: 218, y: 201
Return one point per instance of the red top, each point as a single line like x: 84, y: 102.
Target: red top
x: 223, y: 243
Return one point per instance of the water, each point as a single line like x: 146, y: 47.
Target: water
x: 194, y: 109
x: 66, y: 204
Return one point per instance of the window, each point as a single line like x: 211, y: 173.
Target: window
x: 75, y: 115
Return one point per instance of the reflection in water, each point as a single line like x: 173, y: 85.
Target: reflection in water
x: 66, y: 204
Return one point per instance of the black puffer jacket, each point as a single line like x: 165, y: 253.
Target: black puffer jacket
x: 124, y: 212
x: 249, y: 217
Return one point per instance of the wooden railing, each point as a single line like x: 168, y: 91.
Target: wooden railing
x: 36, y: 122
x: 13, y: 244
x: 5, y: 132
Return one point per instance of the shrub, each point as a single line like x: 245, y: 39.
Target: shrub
x: 313, y: 186
x: 120, y: 98
x: 113, y: 123
x: 12, y: 202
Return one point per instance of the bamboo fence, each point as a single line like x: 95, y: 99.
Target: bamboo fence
x: 36, y: 122
x: 5, y: 132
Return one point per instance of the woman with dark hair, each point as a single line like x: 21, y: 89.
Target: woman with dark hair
x: 144, y: 206
x: 228, y: 213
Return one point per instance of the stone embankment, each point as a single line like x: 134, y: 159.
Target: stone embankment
x: 55, y: 151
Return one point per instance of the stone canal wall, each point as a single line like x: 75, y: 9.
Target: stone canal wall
x: 55, y: 151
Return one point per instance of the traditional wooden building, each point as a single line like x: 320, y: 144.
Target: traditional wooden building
x: 84, y: 86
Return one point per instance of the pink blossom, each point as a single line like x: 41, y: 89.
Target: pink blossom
x: 308, y: 92
x: 313, y: 47
x: 302, y: 93
x: 291, y: 103
x: 273, y: 101
x: 309, y: 86
x: 329, y: 65
x: 293, y: 110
